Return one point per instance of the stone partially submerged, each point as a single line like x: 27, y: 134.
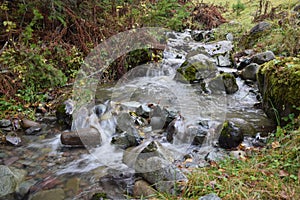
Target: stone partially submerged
x: 154, y: 163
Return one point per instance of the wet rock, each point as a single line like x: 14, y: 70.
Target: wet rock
x: 13, y: 139
x: 125, y: 140
x: 89, y: 137
x: 223, y: 82
x: 246, y: 128
x: 260, y: 27
x: 249, y: 72
x: 33, y: 130
x: 231, y: 136
x: 164, y: 179
x: 196, y: 68
x: 143, y: 110
x: 143, y: 189
x: 202, y: 36
x: 10, y: 179
x: 49, y: 119
x: 57, y: 194
x: 72, y: 186
x: 263, y: 57
x: 154, y: 163
x: 211, y: 196
x: 198, y: 135
x: 117, y: 184
x: 215, y: 156
x: 174, y: 129
x: 24, y: 187
x: 26, y: 123
x: 125, y: 122
x: 222, y: 52
x: 5, y: 123
x: 145, y: 150
x: 229, y: 83
x: 157, y: 117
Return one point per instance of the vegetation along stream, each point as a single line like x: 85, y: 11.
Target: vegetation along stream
x: 167, y: 124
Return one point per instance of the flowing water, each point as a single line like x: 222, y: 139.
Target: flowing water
x: 77, y: 170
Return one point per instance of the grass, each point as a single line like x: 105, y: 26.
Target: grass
x: 239, y: 25
x: 271, y: 173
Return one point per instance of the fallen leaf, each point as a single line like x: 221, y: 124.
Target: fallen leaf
x: 275, y: 145
x: 221, y: 170
x: 283, y: 173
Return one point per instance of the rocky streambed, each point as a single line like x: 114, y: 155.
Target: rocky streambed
x: 150, y: 128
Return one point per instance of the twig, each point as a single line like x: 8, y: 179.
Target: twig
x: 3, y: 48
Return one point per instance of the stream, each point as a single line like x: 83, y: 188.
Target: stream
x: 65, y: 172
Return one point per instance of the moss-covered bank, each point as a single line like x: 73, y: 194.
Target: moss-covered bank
x: 279, y: 84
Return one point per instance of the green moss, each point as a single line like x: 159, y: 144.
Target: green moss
x: 195, y: 71
x: 279, y: 82
x: 283, y: 75
x: 225, y: 129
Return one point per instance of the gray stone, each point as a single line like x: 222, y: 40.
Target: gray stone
x: 116, y: 184
x: 10, y: 179
x: 165, y: 177
x: 231, y: 136
x: 5, y: 123
x: 33, y: 130
x: 89, y: 137
x: 229, y: 37
x: 211, y: 196
x: 249, y: 72
x: 263, y: 57
x: 143, y: 189
x: 57, y: 194
x: 125, y: 139
x: 125, y: 122
x: 25, y: 186
x: 143, y: 110
x: 215, y: 156
x: 229, y: 83
x: 260, y: 27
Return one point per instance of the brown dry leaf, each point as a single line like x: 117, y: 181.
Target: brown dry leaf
x: 275, y: 145
x: 283, y: 173
x: 221, y: 170
x: 266, y: 173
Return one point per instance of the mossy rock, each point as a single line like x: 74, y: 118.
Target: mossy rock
x: 279, y: 82
x: 196, y: 69
x: 231, y: 136
x: 223, y: 82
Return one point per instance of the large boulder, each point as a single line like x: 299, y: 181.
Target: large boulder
x: 278, y: 82
x: 196, y: 68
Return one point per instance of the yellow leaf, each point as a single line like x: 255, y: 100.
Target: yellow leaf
x: 275, y: 145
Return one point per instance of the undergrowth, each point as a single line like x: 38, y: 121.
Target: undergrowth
x: 271, y: 172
